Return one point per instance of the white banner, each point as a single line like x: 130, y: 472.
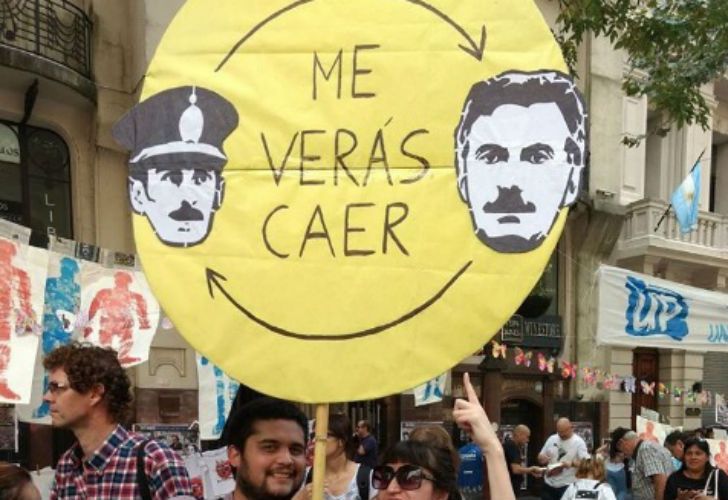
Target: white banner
x: 636, y: 310
x: 216, y: 394
x: 22, y: 280
x: 649, y: 430
x: 119, y: 311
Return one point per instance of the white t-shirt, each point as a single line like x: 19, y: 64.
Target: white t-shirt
x: 601, y: 492
x: 559, y: 450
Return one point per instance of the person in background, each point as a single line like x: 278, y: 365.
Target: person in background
x: 512, y: 448
x: 89, y: 393
x: 470, y: 472
x: 652, y: 463
x: 561, y: 454
x: 344, y: 479
x: 590, y: 482
x: 16, y: 483
x: 617, y: 468
x: 697, y: 479
x: 423, y: 470
x: 437, y: 435
x: 675, y: 444
x: 368, y: 448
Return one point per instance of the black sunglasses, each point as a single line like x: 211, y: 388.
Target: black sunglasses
x: 409, y: 477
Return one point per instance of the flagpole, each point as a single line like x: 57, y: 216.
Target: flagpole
x: 667, y: 210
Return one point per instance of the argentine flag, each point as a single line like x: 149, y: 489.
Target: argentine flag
x: 685, y: 201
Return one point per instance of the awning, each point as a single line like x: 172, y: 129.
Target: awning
x: 637, y: 310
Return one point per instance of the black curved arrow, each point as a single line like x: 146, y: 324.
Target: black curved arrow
x: 257, y: 27
x: 474, y: 48
x: 215, y: 279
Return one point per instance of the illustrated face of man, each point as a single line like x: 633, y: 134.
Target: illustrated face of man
x: 516, y: 174
x: 179, y: 203
x: 273, y: 461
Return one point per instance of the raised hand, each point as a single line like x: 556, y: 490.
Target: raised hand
x: 470, y: 416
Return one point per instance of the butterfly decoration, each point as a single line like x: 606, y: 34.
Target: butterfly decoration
x: 630, y: 384
x: 568, y: 370
x: 523, y: 358
x: 612, y: 382
x: 499, y: 350
x: 677, y: 393
x: 648, y: 389
x: 589, y: 376
x: 662, y: 390
x: 545, y: 364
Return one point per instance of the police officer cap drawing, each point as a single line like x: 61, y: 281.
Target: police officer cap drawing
x: 176, y: 159
x: 521, y: 146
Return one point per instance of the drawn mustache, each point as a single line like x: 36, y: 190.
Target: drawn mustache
x: 509, y: 201
x: 186, y: 212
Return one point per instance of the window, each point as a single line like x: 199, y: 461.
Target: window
x: 35, y: 180
x: 543, y: 299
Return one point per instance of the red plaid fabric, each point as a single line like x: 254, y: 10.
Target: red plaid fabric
x: 111, y: 472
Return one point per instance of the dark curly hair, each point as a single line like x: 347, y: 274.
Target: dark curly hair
x: 88, y: 365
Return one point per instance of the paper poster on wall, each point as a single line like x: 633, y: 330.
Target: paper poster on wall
x: 216, y: 394
x: 22, y: 279
x: 184, y: 439
x: 303, y: 183
x: 221, y: 480
x: 407, y: 426
x: 431, y: 391
x: 653, y: 431
x: 119, y: 311
x: 721, y: 410
x: 719, y: 453
x: 60, y: 320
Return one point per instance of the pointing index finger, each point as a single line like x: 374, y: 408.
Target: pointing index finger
x: 469, y: 390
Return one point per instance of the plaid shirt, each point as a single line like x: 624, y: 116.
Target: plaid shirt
x: 111, y: 472
x: 652, y: 459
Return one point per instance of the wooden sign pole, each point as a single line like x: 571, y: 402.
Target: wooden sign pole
x: 319, y: 460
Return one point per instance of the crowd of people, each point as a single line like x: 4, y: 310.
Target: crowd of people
x: 266, y: 438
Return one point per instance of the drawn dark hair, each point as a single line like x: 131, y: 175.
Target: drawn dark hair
x: 524, y: 89
x: 86, y: 366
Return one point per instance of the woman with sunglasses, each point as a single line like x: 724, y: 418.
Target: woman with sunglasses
x: 424, y: 470
x: 697, y: 479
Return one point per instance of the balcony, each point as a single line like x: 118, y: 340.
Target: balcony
x: 708, y: 244
x: 51, y: 38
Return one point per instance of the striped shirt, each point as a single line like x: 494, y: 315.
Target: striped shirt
x: 111, y: 472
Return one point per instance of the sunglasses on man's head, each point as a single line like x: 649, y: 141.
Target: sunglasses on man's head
x: 409, y: 477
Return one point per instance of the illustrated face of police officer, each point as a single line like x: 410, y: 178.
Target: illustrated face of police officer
x: 179, y: 203
x: 519, y: 165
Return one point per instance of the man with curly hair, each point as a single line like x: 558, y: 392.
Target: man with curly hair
x: 89, y: 393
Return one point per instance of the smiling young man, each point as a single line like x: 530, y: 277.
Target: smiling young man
x: 89, y: 393
x: 266, y: 441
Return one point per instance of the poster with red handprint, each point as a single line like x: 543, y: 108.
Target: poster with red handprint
x: 118, y: 311
x: 22, y: 281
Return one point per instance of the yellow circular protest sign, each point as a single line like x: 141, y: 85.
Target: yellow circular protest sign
x: 340, y: 199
